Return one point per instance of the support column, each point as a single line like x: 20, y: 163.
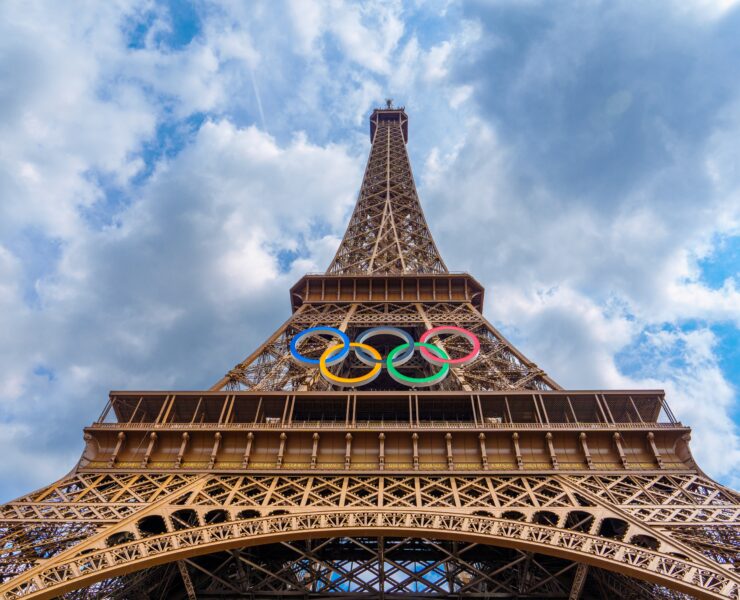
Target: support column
x: 579, y: 580
x: 214, y: 453
x: 448, y: 443
x: 315, y: 450
x: 187, y: 582
x: 551, y: 448
x: 247, y: 450
x: 119, y: 444
x: 654, y: 448
x: 618, y: 443
x: 183, y: 447
x: 152, y: 440
x: 483, y: 452
x: 517, y: 451
x: 381, y: 451
x: 348, y: 451
x: 281, y: 450
x: 415, y: 442
x: 583, y: 438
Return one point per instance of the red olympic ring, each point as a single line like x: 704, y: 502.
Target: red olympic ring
x: 470, y: 357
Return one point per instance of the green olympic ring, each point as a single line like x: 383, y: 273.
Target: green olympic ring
x: 418, y: 381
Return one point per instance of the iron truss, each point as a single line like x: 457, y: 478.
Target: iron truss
x: 387, y: 232
x: 677, y: 531
x: 362, y: 567
x: 499, y: 367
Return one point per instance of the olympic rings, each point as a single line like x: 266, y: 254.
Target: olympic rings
x: 468, y: 358
x: 397, y: 357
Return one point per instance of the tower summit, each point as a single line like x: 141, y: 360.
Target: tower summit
x: 385, y: 441
x: 387, y: 232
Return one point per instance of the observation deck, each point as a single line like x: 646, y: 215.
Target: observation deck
x: 511, y: 431
x: 366, y: 289
x: 390, y: 114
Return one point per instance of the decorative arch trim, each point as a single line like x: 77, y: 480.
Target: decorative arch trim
x: 95, y: 565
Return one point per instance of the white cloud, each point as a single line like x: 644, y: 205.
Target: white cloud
x: 436, y: 61
x: 701, y: 397
x: 55, y: 126
x: 707, y: 9
x: 367, y: 33
x: 307, y: 19
x: 172, y: 294
x: 192, y: 254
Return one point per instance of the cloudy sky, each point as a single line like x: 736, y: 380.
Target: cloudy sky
x: 169, y: 169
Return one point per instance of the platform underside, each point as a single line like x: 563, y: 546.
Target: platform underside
x: 369, y: 568
x: 122, y: 534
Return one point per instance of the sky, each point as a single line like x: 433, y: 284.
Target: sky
x: 169, y: 169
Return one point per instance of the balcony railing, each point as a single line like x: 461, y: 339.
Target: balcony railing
x: 381, y: 426
x: 455, y: 410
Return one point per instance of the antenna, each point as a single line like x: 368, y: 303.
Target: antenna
x: 389, y: 102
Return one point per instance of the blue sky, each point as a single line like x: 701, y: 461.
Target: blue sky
x: 169, y: 169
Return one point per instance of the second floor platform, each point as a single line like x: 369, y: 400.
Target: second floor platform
x: 526, y: 409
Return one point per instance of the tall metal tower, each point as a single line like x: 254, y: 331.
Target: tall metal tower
x: 385, y: 441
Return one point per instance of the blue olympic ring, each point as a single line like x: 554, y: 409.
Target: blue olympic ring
x: 337, y: 358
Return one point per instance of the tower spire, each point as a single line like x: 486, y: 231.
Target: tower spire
x: 388, y: 233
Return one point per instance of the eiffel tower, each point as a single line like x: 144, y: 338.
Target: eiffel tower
x: 447, y: 467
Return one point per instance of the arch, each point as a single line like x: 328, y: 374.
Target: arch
x: 612, y: 528
x: 151, y: 525
x: 185, y: 518
x: 513, y: 515
x: 645, y: 541
x: 583, y: 501
x: 545, y: 517
x: 248, y: 514
x: 82, y: 570
x: 579, y: 520
x: 119, y: 538
x: 217, y: 515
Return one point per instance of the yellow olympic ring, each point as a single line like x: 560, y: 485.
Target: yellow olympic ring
x: 350, y: 381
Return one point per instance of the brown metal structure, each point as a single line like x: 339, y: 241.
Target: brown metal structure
x: 495, y: 483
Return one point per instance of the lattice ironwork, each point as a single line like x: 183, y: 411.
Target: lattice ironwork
x: 591, y: 519
x: 387, y: 232
x: 387, y: 567
x: 691, y: 575
x: 526, y: 491
x: 499, y: 367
